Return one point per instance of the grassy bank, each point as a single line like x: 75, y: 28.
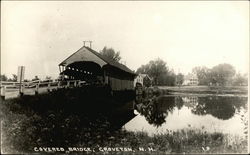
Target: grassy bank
x: 185, y: 140
x: 207, y: 89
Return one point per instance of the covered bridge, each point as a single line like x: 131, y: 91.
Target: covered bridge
x: 92, y: 67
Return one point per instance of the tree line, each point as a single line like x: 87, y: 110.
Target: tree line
x: 160, y: 73
x: 221, y: 74
x: 3, y: 77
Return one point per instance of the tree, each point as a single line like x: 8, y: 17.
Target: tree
x: 144, y: 69
x: 14, y: 77
x: 222, y: 74
x: 48, y: 78
x: 111, y: 53
x: 240, y: 80
x: 179, y: 79
x: 3, y: 77
x: 35, y: 78
x: 158, y: 70
x: 202, y: 74
x: 170, y: 78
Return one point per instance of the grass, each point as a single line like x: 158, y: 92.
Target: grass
x: 188, y: 141
x: 59, y: 120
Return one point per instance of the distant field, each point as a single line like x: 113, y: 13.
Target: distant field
x: 207, y: 89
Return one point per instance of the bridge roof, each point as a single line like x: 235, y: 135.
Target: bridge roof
x: 88, y: 54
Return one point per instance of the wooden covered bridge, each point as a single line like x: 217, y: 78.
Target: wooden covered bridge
x: 85, y: 66
x: 94, y: 68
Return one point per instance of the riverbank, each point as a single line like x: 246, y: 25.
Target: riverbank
x: 234, y: 90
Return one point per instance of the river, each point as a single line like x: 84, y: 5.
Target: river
x: 225, y: 114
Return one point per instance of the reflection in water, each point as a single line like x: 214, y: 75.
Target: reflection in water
x: 174, y: 112
x: 220, y: 107
x: 156, y: 109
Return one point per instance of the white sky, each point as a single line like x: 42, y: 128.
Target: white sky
x: 39, y: 35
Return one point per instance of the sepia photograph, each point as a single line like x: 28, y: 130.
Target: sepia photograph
x: 124, y: 77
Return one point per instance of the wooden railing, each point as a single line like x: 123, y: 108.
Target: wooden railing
x: 15, y: 89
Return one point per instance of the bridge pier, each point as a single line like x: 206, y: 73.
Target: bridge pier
x: 68, y: 84
x: 36, y: 89
x: 58, y: 85
x: 48, y: 87
x: 75, y: 83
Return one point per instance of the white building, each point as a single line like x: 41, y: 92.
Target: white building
x: 143, y: 79
x: 190, y: 80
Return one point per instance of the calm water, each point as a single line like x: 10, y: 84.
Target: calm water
x: 210, y: 113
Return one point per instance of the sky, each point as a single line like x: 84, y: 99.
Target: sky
x: 41, y: 34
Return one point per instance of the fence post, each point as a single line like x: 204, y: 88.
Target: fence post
x: 68, y: 84
x: 75, y: 83
x: 3, y: 89
x: 21, y: 90
x: 36, y: 89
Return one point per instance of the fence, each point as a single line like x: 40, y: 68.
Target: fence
x: 15, y: 89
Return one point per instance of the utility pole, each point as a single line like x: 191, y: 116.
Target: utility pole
x: 20, y: 78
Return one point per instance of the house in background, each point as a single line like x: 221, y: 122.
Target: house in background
x: 143, y: 79
x: 190, y: 80
x: 138, y: 80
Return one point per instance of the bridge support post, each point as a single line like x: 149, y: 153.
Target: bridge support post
x: 36, y: 89
x: 48, y: 87
x: 58, y: 85
x: 68, y: 84
x: 2, y: 93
